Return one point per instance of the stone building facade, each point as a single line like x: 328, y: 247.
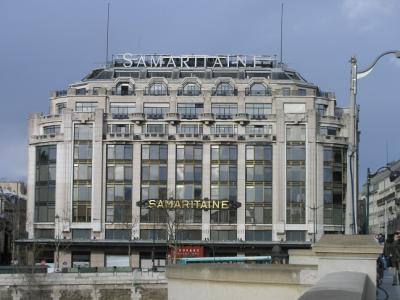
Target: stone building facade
x: 247, y: 130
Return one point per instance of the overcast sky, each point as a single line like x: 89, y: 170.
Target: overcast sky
x: 46, y: 45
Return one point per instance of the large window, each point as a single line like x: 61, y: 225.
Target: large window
x: 190, y: 110
x: 190, y: 89
x: 224, y: 181
x: 82, y: 185
x: 156, y: 89
x: 122, y: 110
x: 224, y: 129
x: 295, y: 174
x: 224, y: 110
x: 258, y: 184
x: 258, y: 110
x: 224, y: 89
x: 155, y: 110
x: 119, y: 183
x: 60, y: 108
x: 120, y: 128
x: 45, y: 186
x: 258, y: 89
x: 189, y: 128
x: 334, y: 185
x: 258, y: 129
x: 154, y: 181
x: 52, y: 129
x: 85, y: 106
x: 189, y: 168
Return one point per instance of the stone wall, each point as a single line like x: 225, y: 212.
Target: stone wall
x: 99, y: 286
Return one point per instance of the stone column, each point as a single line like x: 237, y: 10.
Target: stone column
x: 97, y: 259
x: 205, y: 227
x: 136, y: 189
x: 97, y: 166
x: 241, y: 191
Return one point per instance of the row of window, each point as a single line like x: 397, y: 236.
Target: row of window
x: 189, y: 89
x: 180, y: 234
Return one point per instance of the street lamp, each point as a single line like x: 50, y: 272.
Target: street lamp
x: 392, y: 176
x: 353, y: 135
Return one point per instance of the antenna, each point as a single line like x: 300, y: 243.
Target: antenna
x: 281, y: 31
x: 108, y: 26
x: 387, y: 153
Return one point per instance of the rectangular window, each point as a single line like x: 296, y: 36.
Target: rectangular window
x: 321, y: 109
x: 120, y: 128
x: 44, y: 234
x: 189, y: 166
x: 53, y: 129
x: 60, y: 108
x: 81, y: 234
x: 80, y: 259
x: 154, y: 181
x: 119, y: 183
x: 295, y: 174
x: 224, y: 181
x: 122, y: 110
x: 334, y: 185
x: 223, y: 235
x: 258, y: 184
x: 45, y: 185
x: 224, y: 129
x: 258, y: 129
x: 258, y: 110
x: 83, y: 132
x: 156, y: 128
x: 258, y: 235
x: 85, y: 106
x: 153, y: 234
x: 118, y: 234
x: 295, y: 236
x: 190, y: 110
x: 327, y: 130
x: 188, y: 235
x: 189, y: 129
x: 155, y: 110
x: 224, y: 110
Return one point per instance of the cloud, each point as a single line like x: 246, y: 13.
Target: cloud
x: 368, y: 10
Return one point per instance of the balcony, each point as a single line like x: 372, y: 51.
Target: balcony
x: 189, y: 137
x: 183, y: 92
x: 50, y: 118
x: 172, y: 117
x: 154, y: 136
x: 258, y: 93
x: 42, y: 138
x: 156, y: 92
x: 331, y: 120
x: 116, y: 92
x: 207, y: 118
x: 60, y: 93
x: 119, y: 136
x: 226, y: 93
x: 332, y: 139
x: 154, y: 116
x: 137, y: 117
x: 224, y: 116
x: 241, y: 118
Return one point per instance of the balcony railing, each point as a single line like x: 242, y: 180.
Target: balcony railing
x: 216, y: 92
x: 117, y: 92
x: 150, y: 92
x: 183, y: 92
x: 250, y: 92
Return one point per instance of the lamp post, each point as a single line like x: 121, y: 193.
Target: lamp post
x: 353, y: 136
x: 393, y: 176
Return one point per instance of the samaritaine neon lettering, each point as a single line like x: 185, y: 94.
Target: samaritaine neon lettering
x: 199, y: 204
x: 130, y: 60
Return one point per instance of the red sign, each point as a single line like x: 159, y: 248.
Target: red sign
x: 189, y: 251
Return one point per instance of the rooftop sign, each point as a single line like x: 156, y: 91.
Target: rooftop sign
x: 129, y: 60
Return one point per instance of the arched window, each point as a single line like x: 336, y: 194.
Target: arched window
x: 123, y: 89
x: 191, y: 89
x: 224, y: 89
x: 157, y: 89
x: 258, y: 89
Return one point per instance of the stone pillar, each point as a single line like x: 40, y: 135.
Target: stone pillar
x: 30, y: 205
x: 241, y: 191
x: 65, y: 259
x: 97, y: 165
x: 97, y: 259
x: 137, y: 154
x: 311, y: 169
x: 135, y: 259
x: 278, y: 178
x: 341, y: 253
x: 205, y: 227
